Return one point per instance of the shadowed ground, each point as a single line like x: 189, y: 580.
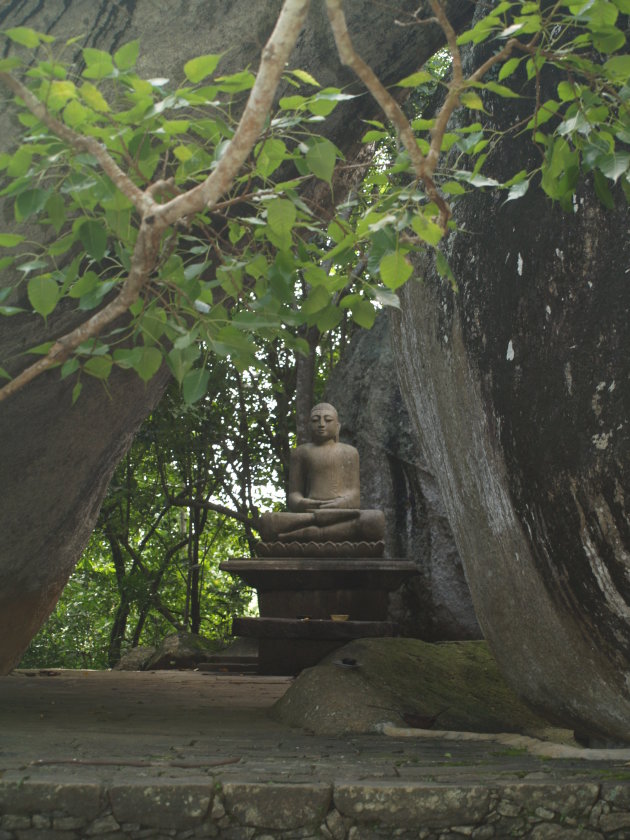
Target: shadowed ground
x: 105, y: 721
x: 81, y: 747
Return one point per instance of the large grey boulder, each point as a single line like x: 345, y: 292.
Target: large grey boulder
x: 454, y: 685
x: 135, y: 659
x: 519, y: 389
x: 395, y: 478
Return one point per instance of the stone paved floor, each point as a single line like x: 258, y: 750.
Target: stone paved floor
x: 69, y: 724
x: 180, y: 755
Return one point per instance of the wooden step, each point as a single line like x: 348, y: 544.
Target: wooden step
x: 226, y: 657
x: 229, y: 666
x: 287, y: 573
x: 315, y: 629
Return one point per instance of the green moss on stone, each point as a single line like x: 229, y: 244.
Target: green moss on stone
x: 459, y: 681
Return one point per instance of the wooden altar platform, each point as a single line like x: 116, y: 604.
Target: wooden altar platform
x: 297, y: 598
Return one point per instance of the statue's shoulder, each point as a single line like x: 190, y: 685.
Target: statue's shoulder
x: 303, y: 449
x: 347, y: 449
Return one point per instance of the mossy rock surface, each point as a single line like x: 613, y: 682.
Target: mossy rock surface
x: 399, y: 678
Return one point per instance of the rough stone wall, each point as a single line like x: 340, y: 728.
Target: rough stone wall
x: 519, y: 387
x: 395, y: 478
x: 344, y: 810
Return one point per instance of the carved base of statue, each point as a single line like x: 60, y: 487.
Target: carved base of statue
x: 311, y: 606
x: 329, y: 549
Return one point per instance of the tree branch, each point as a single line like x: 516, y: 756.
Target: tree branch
x: 80, y: 143
x: 142, y: 262
x: 455, y: 87
x: 423, y: 168
x: 156, y: 218
x: 273, y: 61
x: 217, y: 508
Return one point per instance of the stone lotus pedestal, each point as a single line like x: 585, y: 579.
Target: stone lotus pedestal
x: 298, y: 595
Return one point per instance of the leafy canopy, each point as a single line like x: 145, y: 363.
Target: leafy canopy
x: 100, y: 147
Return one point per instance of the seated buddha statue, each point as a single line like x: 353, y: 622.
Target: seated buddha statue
x: 324, y: 499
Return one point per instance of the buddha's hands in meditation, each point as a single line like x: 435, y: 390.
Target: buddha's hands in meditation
x: 339, y: 502
x: 306, y: 504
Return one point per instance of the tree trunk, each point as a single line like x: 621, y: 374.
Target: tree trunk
x: 56, y: 460
x: 119, y: 626
x: 305, y: 385
x: 519, y: 387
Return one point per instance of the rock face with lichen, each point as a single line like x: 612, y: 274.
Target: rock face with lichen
x: 519, y: 389
x: 436, y: 605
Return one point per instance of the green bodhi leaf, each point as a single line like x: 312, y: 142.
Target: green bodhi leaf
x: 236, y: 82
x: 363, y: 314
x: 27, y: 37
x: 195, y: 384
x: 99, y: 366
x: 8, y: 64
x: 508, y: 68
x: 43, y: 294
x: 281, y: 215
x: 427, y: 229
x: 30, y: 202
x: 321, y: 158
x: 318, y: 298
x: 305, y: 77
x: 328, y: 318
x: 125, y: 58
x: 618, y: 68
x: 419, y: 78
x: 395, y: 270
x: 148, y: 364
x: 603, y: 191
x: 517, y: 190
x: 92, y: 96
x: 181, y: 360
x: 471, y: 100
x: 99, y: 64
x: 10, y: 240
x: 270, y: 156
x: 615, y: 165
x: 93, y: 237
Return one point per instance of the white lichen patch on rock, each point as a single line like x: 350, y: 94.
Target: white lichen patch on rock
x: 601, y: 441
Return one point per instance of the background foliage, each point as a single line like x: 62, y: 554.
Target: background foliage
x: 250, y: 301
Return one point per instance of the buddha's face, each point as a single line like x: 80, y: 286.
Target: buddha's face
x: 324, y: 424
